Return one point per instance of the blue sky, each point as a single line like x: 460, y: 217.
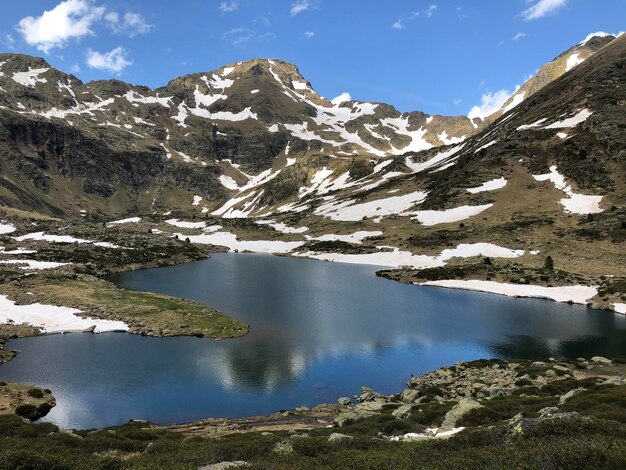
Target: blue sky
x: 437, y: 56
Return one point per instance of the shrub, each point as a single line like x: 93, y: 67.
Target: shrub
x: 35, y: 393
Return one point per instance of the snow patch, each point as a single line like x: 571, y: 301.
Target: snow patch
x: 572, y: 61
x: 54, y: 319
x: 577, y: 294
x: 491, y: 185
x: 30, y: 78
x: 432, y: 217
x: 574, y: 203
x: 579, y: 117
x: 125, y: 221
x: 230, y: 241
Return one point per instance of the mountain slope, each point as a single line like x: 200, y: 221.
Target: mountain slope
x: 107, y: 147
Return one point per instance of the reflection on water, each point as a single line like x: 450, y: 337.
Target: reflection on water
x: 318, y: 331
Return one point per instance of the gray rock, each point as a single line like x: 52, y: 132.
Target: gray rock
x: 538, y: 364
x: 550, y: 373
x: 561, y: 368
x: 337, y: 437
x: 352, y: 416
x: 223, y: 465
x: 569, y: 395
x: 374, y: 406
x: 283, y: 447
x: 402, y: 412
x: 409, y: 395
x: 302, y: 408
x: 548, y: 410
x: 91, y: 329
x: 568, y: 415
x: 601, y: 360
x: 459, y: 410
x: 344, y: 401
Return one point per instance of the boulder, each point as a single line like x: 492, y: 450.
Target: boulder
x: 569, y: 395
x: 352, y: 416
x: 283, y: 447
x: 374, y: 406
x: 224, y: 465
x: 459, y: 410
x: 402, y: 412
x: 344, y: 401
x: 409, y: 395
x: 601, y: 360
x: 337, y: 437
x: 548, y: 410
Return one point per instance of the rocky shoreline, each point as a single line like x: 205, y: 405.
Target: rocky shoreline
x: 558, y: 413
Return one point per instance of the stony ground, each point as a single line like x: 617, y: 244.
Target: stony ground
x: 484, y: 414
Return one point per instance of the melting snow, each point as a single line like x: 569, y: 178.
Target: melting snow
x: 491, y: 185
x: 487, y: 145
x: 443, y: 137
x: 574, y: 203
x: 352, y: 211
x: 126, y: 221
x: 183, y: 224
x: 30, y: 78
x: 33, y: 264
x: 130, y: 96
x: 579, y: 117
x: 572, y: 61
x: 517, y: 99
x: 577, y: 294
x: 437, y: 160
x: 431, y: 217
x: 356, y: 237
x: 54, y: 319
x: 534, y: 124
x: 41, y: 236
x: 6, y: 228
x: 280, y: 227
x: 230, y: 240
x: 228, y: 182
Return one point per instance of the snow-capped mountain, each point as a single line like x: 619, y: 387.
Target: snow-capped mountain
x: 250, y: 138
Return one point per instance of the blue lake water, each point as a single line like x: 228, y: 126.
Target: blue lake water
x: 319, y: 331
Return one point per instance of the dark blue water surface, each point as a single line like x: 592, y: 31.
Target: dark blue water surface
x: 319, y: 331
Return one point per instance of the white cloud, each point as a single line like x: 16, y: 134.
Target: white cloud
x: 228, y: 7
x: 238, y: 36
x: 431, y: 10
x: 71, y: 19
x: 9, y: 41
x: 489, y: 104
x: 113, y: 61
x: 519, y: 36
x: 75, y: 68
x: 398, y: 25
x: 131, y: 24
x: 309, y: 34
x: 345, y: 96
x: 542, y: 8
x: 457, y: 101
x: 300, y: 6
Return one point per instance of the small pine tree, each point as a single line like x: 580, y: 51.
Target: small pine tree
x: 549, y: 263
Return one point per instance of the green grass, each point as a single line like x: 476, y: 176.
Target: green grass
x: 548, y: 444
x: 144, y: 312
